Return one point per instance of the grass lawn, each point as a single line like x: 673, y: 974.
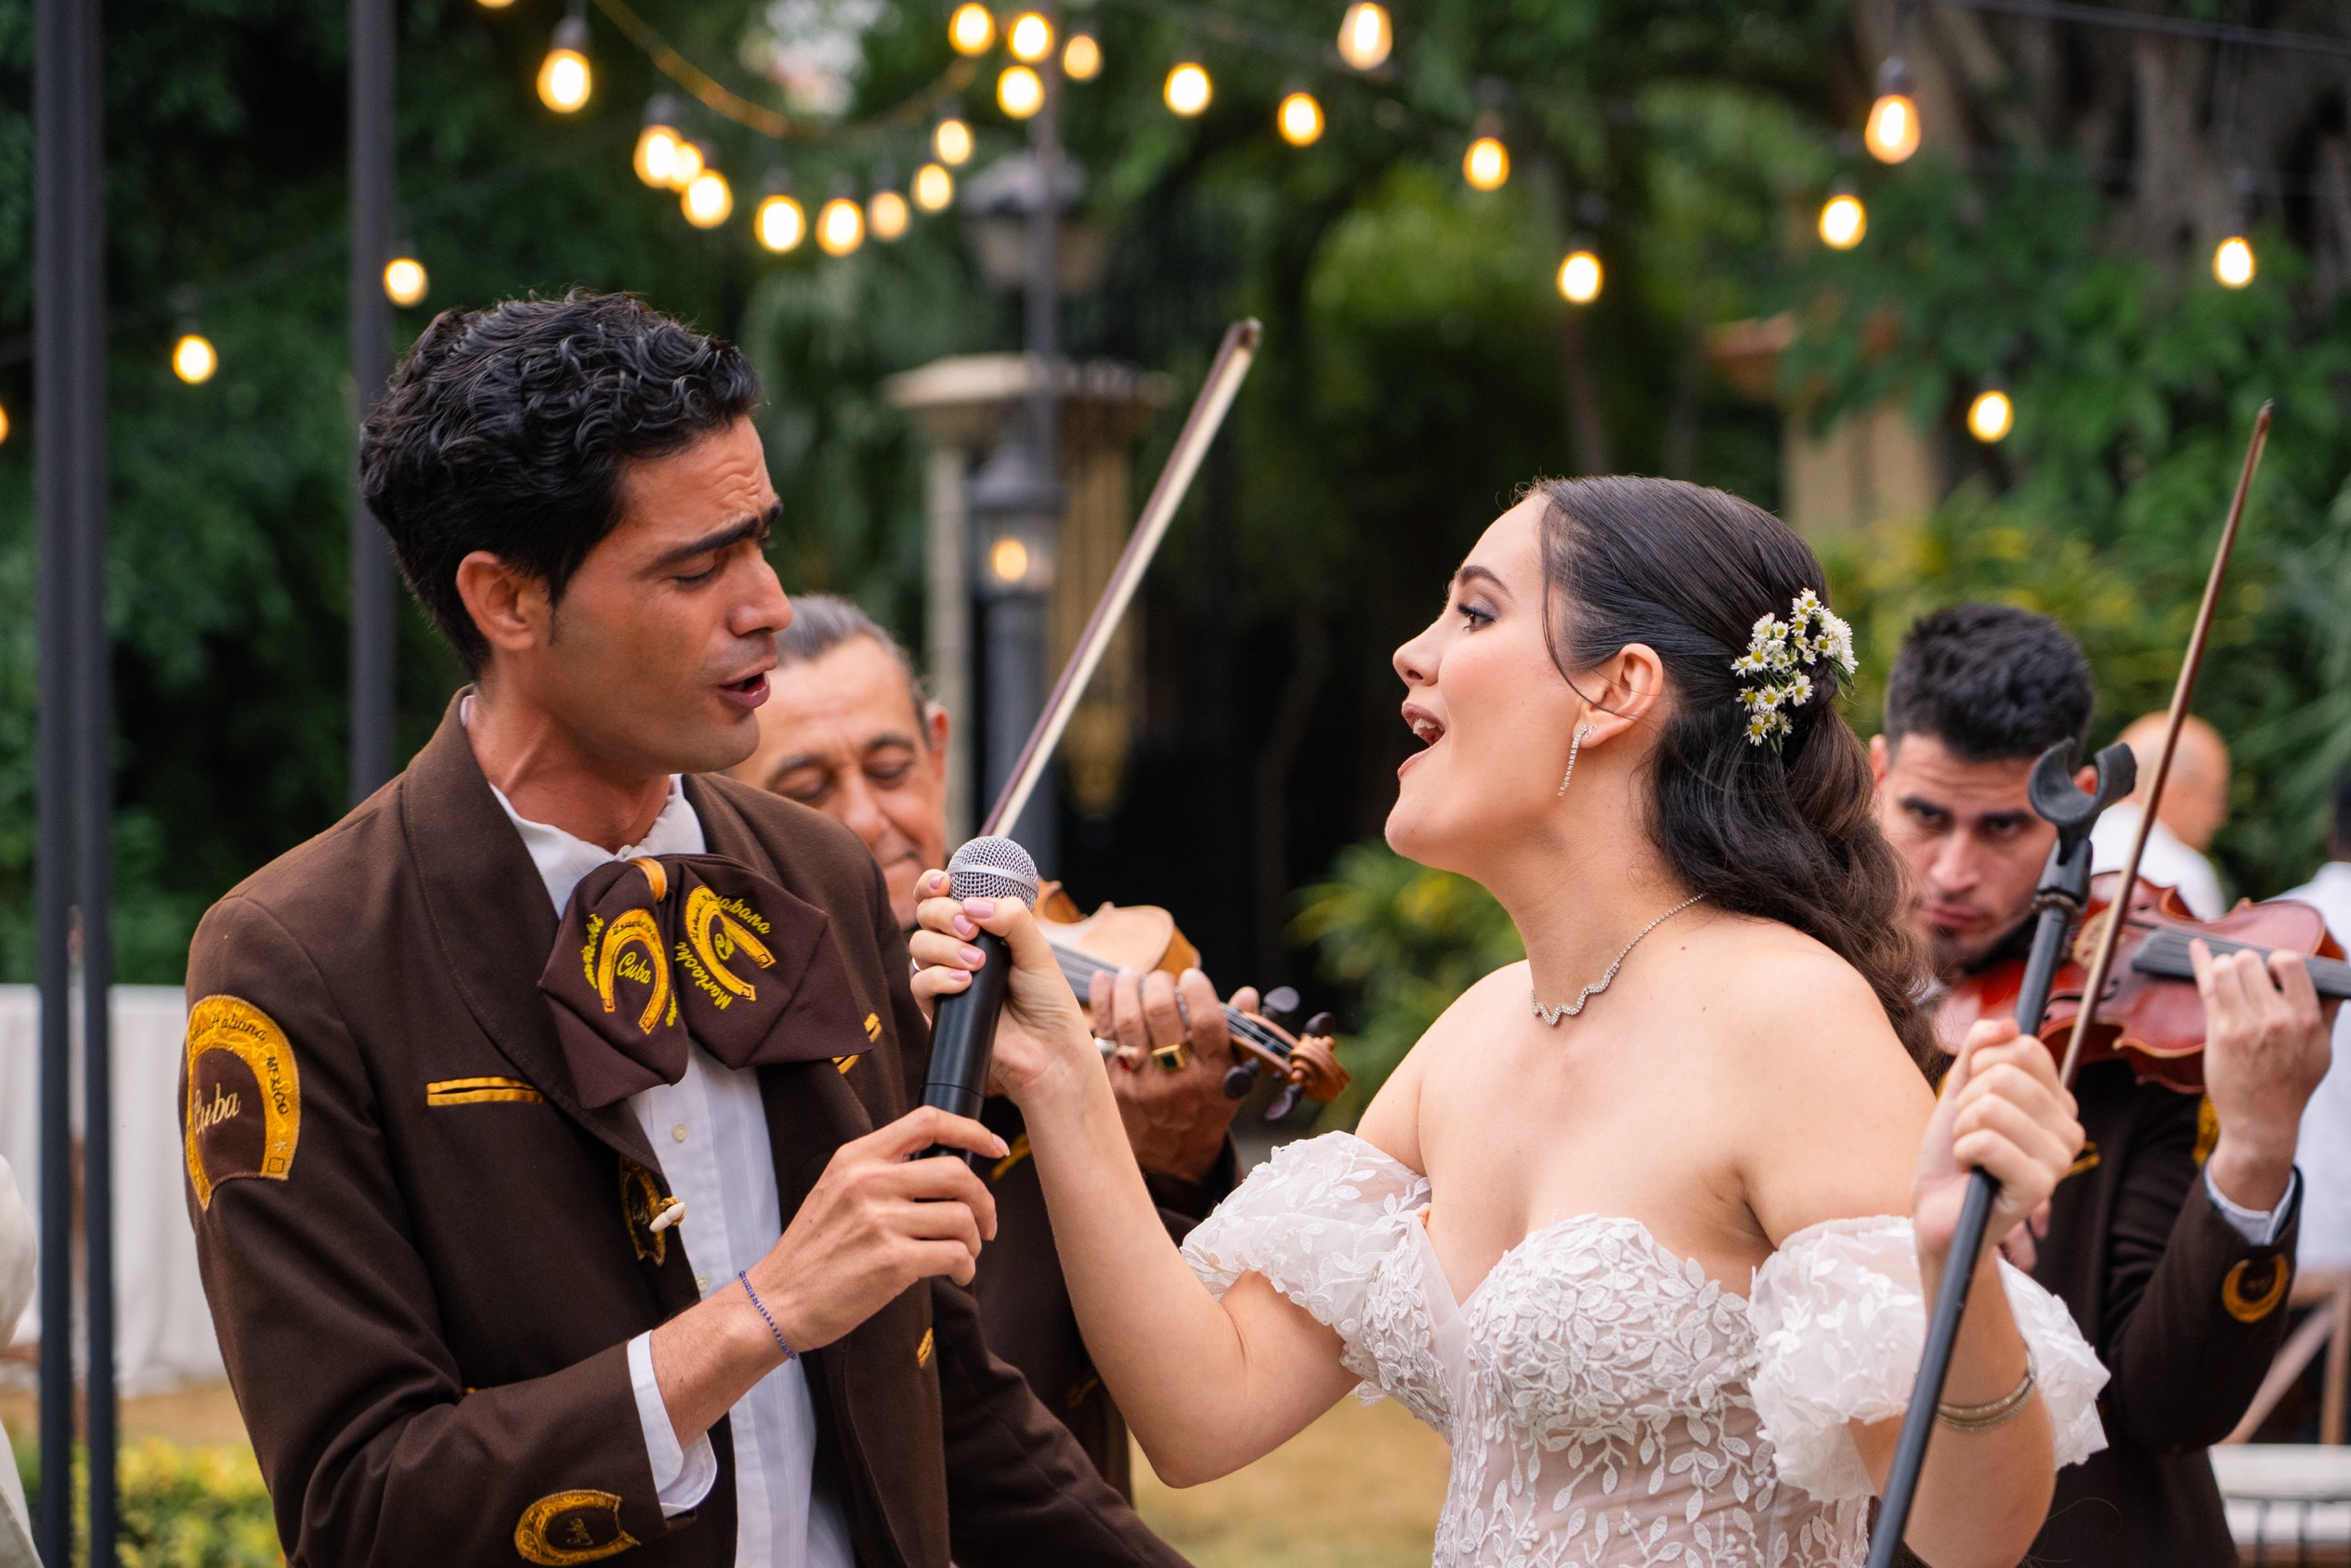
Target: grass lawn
x: 1359, y: 1489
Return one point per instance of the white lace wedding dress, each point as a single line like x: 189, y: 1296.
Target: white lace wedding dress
x: 1606, y: 1401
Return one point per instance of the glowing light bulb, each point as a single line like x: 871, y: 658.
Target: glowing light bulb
x: 841, y: 226
x: 707, y: 200
x: 1580, y: 278
x: 495, y: 5
x: 1081, y: 57
x: 193, y: 359
x: 1486, y: 164
x: 1366, y: 35
x: 933, y: 187
x: 685, y: 162
x: 655, y: 146
x: 405, y: 281
x: 886, y: 214
x: 972, y: 29
x: 4, y: 425
x: 951, y: 139
x: 1030, y: 37
x: 1020, y: 92
x: 565, y: 80
x: 1843, y: 222
x: 1008, y: 558
x: 1990, y: 416
x: 781, y: 223
x: 1893, y: 129
x: 1188, y: 89
x: 1300, y: 119
x: 2233, y: 262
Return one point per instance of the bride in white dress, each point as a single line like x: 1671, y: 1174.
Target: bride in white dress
x: 1654, y: 1268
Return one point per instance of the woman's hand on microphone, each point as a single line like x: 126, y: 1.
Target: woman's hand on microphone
x: 1043, y: 1040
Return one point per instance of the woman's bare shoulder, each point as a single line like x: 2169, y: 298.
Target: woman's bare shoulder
x: 1803, y: 1013
x: 1393, y: 1121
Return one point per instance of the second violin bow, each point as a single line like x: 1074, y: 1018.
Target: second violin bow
x: 1975, y: 1214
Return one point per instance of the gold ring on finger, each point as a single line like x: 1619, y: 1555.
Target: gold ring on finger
x: 1173, y: 1058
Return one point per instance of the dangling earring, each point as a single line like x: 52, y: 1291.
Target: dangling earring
x: 1572, y: 747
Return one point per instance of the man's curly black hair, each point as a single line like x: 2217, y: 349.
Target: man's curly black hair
x: 504, y: 430
x: 1992, y: 682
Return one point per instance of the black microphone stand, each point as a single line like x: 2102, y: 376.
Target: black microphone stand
x: 2063, y: 893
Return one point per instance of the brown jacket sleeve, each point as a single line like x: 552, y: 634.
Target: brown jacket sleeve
x: 2184, y: 1327
x: 1020, y: 1489
x: 374, y: 1451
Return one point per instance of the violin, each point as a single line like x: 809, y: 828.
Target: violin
x: 2151, y: 1015
x: 1143, y: 938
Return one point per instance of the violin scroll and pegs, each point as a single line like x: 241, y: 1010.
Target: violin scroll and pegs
x: 1313, y: 1069
x: 1279, y: 1003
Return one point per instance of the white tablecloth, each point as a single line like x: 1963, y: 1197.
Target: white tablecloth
x: 163, y: 1329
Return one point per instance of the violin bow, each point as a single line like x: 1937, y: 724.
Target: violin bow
x: 1225, y: 376
x: 1975, y: 1214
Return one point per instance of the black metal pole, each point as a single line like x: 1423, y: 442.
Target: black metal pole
x: 373, y: 602
x: 2063, y: 895
x: 73, y: 802
x: 1032, y: 622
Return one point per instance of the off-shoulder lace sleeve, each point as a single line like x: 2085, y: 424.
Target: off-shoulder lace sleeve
x: 1839, y: 1322
x: 1315, y: 1221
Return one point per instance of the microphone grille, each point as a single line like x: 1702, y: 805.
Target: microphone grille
x: 993, y: 868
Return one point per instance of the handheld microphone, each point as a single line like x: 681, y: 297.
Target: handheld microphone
x: 963, y: 1034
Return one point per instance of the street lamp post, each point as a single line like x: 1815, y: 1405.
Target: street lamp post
x: 1016, y: 507
x: 373, y: 239
x: 73, y: 871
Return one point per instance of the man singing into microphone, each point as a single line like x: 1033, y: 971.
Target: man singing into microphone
x: 545, y: 1119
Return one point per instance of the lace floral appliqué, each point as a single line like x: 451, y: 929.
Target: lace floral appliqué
x: 1606, y: 1401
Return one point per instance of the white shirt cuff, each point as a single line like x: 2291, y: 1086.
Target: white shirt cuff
x: 2259, y: 1226
x: 680, y: 1478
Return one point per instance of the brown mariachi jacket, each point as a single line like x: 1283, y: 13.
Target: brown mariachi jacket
x: 425, y: 1259
x: 1024, y: 1300
x: 2185, y: 1313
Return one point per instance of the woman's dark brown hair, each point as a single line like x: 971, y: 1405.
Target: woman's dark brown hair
x: 1785, y: 835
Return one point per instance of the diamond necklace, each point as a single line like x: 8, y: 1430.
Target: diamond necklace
x: 1551, y: 1015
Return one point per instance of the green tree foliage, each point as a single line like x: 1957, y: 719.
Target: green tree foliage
x: 2135, y: 384
x: 180, y: 1508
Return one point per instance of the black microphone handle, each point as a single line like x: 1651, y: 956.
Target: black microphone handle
x: 963, y: 1040
x: 1934, y: 1369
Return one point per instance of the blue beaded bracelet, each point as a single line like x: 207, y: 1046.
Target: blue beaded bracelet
x: 743, y: 1278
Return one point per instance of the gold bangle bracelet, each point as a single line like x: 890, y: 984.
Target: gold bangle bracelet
x: 1982, y: 1417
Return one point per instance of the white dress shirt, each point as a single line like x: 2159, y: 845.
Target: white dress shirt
x: 709, y: 1133
x: 2168, y: 862
x: 2324, y: 1151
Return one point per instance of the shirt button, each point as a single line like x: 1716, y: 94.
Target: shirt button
x: 677, y: 1133
x: 701, y: 1282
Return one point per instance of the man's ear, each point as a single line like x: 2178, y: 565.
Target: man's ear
x: 509, y: 608
x: 935, y: 728
x: 1881, y: 760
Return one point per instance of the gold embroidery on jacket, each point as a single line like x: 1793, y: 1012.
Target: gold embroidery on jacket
x: 1012, y: 1156
x: 566, y: 1527
x: 922, y: 1350
x: 2086, y: 1160
x: 641, y: 1199
x: 873, y: 1027
x: 243, y: 1111
x: 2207, y: 1130
x: 843, y: 1063
x: 2264, y: 1298
x: 480, y: 1091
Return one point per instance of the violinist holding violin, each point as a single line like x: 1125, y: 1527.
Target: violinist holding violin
x: 2172, y: 1238
x: 847, y: 730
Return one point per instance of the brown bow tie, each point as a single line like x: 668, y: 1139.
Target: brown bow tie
x: 666, y: 950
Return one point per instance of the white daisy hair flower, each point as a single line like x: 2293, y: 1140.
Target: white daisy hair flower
x: 1782, y: 659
